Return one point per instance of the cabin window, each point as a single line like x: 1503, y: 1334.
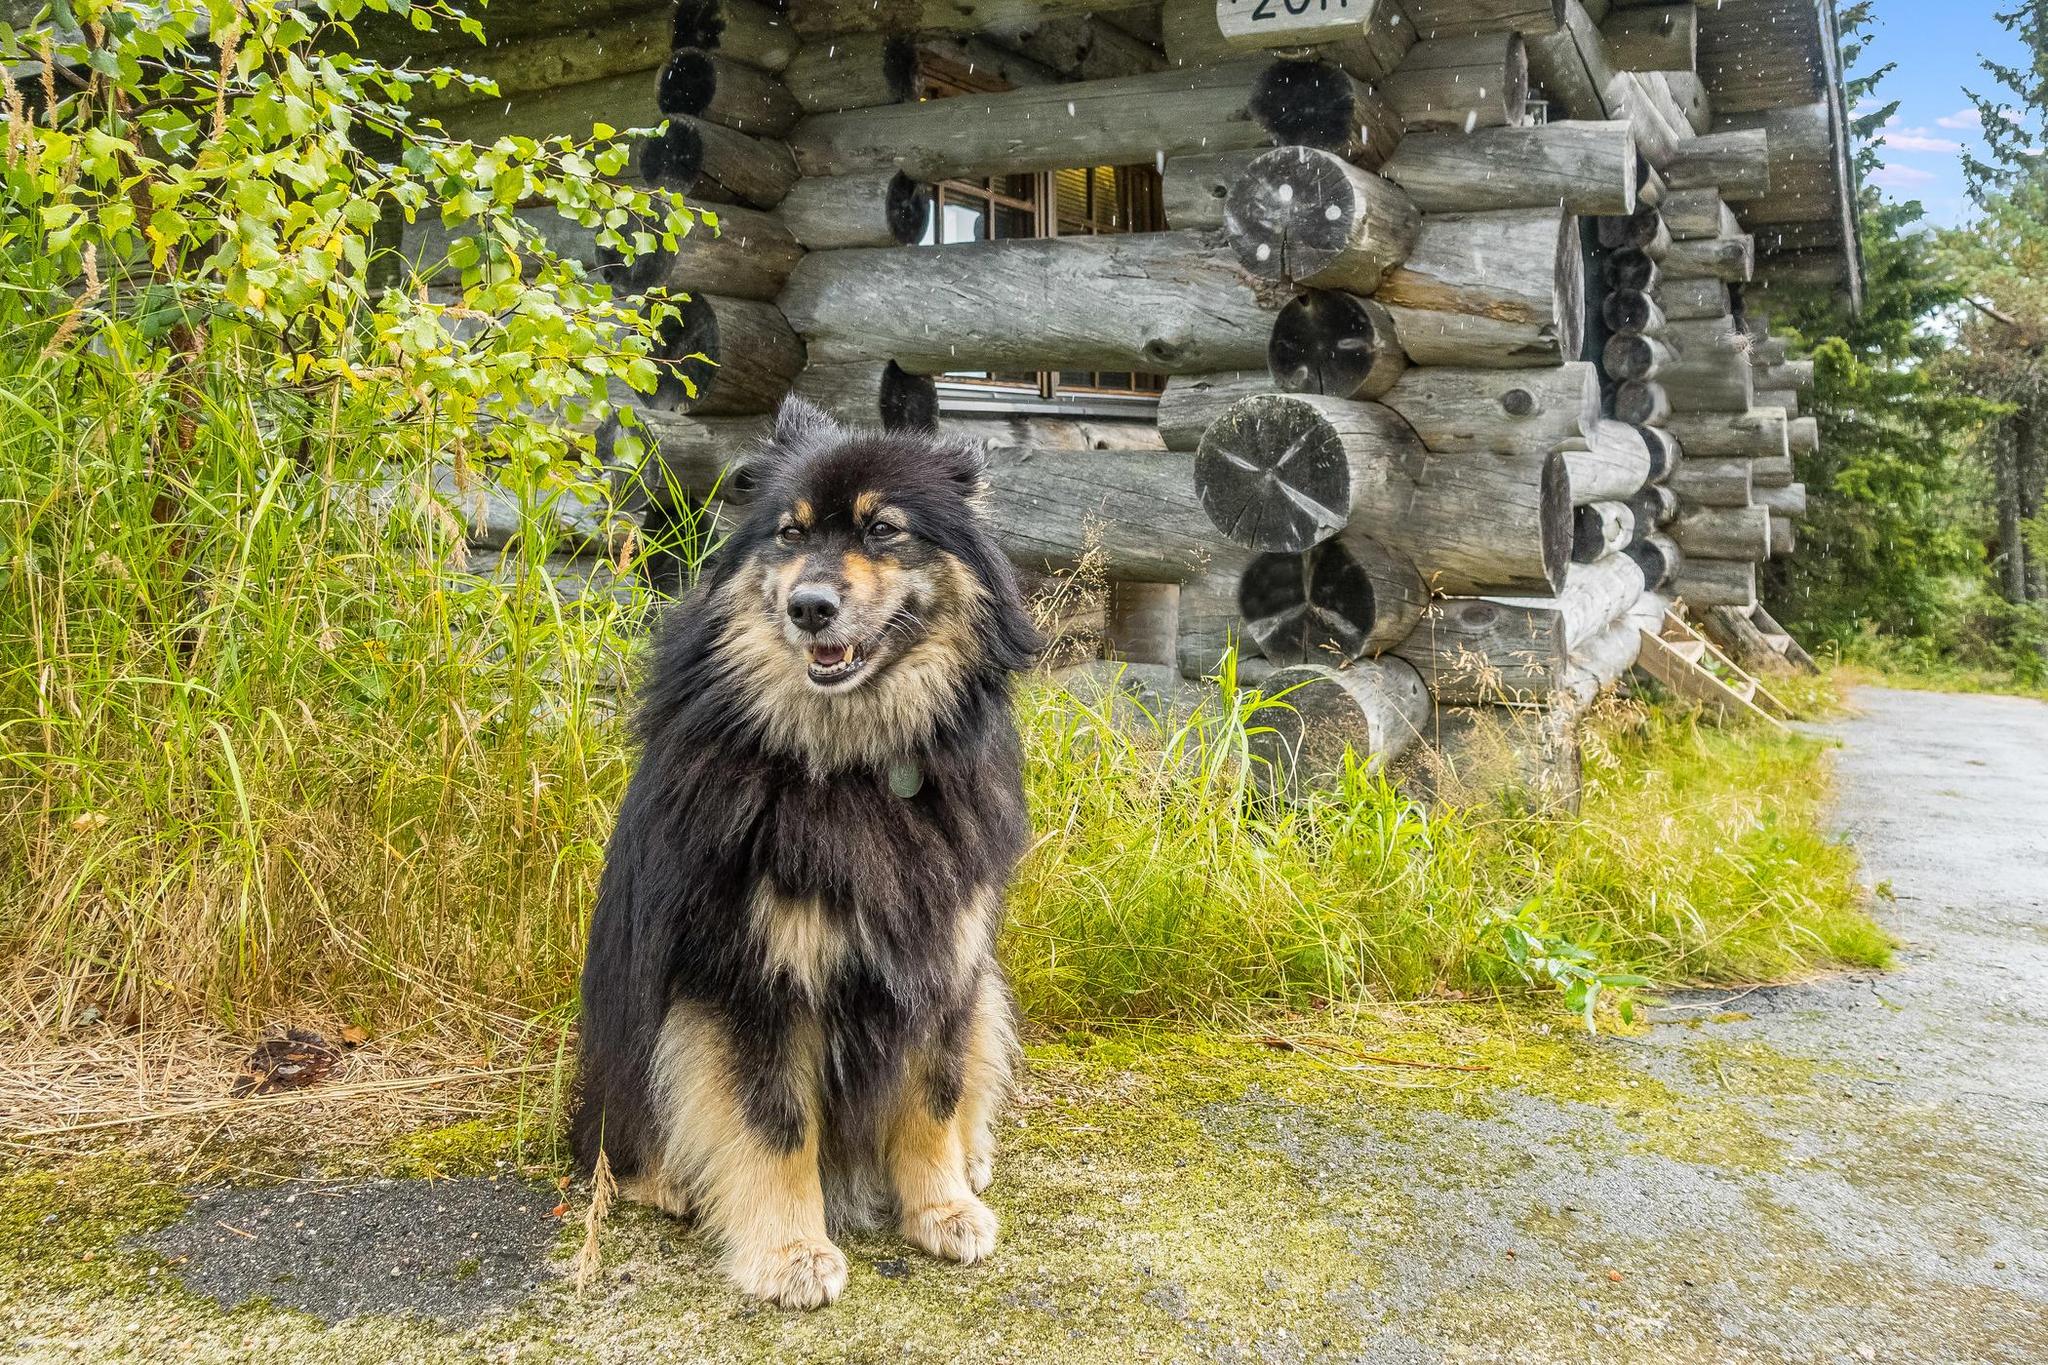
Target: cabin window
x: 1085, y: 201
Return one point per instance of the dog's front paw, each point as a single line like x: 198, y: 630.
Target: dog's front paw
x: 960, y: 1230
x: 981, y: 1169
x: 807, y: 1274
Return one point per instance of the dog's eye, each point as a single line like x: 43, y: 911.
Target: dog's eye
x: 790, y: 535
x: 883, y: 530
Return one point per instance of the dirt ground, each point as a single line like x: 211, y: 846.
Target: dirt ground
x: 1849, y: 1170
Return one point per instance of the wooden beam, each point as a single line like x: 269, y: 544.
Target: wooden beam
x: 719, y: 90
x: 1737, y: 163
x: 744, y: 30
x: 1132, y: 119
x: 1588, y: 167
x: 823, y: 18
x: 1161, y: 302
x: 1371, y: 713
x: 1285, y: 472
x: 1508, y: 412
x: 1505, y: 289
x: 852, y: 71
x: 1459, y: 84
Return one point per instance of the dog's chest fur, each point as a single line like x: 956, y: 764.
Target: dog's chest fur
x: 851, y: 882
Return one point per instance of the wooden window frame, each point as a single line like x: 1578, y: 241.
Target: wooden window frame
x: 941, y: 79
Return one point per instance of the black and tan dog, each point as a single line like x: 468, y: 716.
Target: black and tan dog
x: 792, y: 1015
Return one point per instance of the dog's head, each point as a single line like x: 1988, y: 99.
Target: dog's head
x: 863, y: 594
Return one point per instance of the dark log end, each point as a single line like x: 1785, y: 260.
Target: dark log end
x: 1627, y: 311
x: 1290, y: 212
x: 899, y: 67
x: 1656, y: 561
x: 638, y: 275
x: 909, y: 209
x: 699, y: 23
x: 1571, y: 288
x: 1653, y: 505
x: 674, y: 160
x: 687, y: 84
x: 1640, y: 402
x: 1273, y: 475
x: 909, y: 402
x: 1307, y: 103
x: 1631, y: 231
x: 1555, y: 498
x: 686, y: 352
x: 1589, y: 534
x: 1334, y: 343
x: 1663, y: 449
x: 1628, y: 357
x: 1314, y: 608
x: 1516, y: 93
x: 1629, y: 269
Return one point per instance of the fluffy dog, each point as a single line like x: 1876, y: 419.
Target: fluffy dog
x: 792, y: 1015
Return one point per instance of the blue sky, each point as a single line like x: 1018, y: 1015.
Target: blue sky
x: 1936, y: 44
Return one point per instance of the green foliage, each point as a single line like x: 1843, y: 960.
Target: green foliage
x: 1892, y: 519
x: 217, y: 183
x: 2012, y: 116
x: 1893, y: 539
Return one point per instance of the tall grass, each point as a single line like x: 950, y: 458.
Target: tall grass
x: 268, y: 741
x: 1161, y: 887
x: 263, y: 733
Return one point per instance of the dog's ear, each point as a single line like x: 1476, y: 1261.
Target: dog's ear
x: 801, y: 430
x: 963, y: 463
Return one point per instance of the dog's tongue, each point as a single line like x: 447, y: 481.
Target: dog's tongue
x: 828, y: 655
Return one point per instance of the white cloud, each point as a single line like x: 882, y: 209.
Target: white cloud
x: 1962, y: 121
x: 1902, y: 177
x: 1918, y: 140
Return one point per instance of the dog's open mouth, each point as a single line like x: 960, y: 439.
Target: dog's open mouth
x: 834, y: 664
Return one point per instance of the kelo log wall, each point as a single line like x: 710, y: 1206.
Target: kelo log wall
x: 1459, y: 398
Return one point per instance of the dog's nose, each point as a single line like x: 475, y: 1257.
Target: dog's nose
x: 813, y: 607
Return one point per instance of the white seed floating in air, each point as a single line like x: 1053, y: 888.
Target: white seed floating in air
x: 1287, y: 194
x: 1264, y: 252
x: 1332, y: 212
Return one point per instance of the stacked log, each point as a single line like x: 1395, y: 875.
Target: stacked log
x: 1455, y: 401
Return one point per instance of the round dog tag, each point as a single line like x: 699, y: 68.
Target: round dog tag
x: 905, y: 779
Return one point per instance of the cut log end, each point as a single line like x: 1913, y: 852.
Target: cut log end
x: 1308, y: 103
x: 1555, y: 489
x: 674, y: 160
x: 1334, y: 343
x: 1630, y: 269
x: 908, y: 402
x: 687, y: 84
x: 908, y: 205
x: 1657, y: 557
x: 1345, y: 599
x: 1373, y: 711
x: 1274, y: 476
x: 1307, y: 216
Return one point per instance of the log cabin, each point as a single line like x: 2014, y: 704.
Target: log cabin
x: 1417, y: 348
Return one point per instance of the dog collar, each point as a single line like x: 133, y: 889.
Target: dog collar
x: 906, y: 779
